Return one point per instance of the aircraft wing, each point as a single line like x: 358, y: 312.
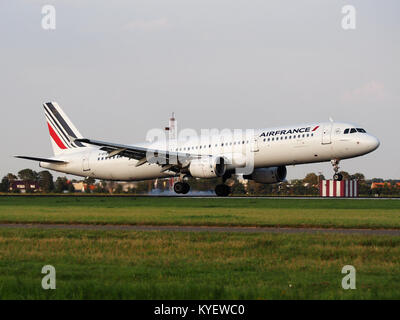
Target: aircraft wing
x: 55, y: 161
x: 174, y: 160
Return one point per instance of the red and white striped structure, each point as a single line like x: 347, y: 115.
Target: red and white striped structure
x: 332, y: 188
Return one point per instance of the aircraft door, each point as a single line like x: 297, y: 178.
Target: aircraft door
x: 254, y: 145
x: 327, y: 133
x: 85, y: 163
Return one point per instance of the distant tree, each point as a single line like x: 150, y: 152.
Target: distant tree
x: 101, y: 187
x: 346, y: 175
x: 357, y: 176
x: 71, y: 188
x: 28, y: 175
x: 46, y: 182
x: 118, y: 189
x: 311, y: 179
x: 11, y: 177
x: 5, y: 184
x: 142, y: 187
x: 365, y: 188
x: 61, y: 184
x: 90, y: 180
x: 238, y: 188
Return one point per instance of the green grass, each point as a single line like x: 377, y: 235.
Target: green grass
x: 173, y: 265
x: 209, y: 211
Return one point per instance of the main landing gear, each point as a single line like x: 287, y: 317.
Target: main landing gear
x: 337, y: 176
x: 181, y: 187
x: 223, y: 190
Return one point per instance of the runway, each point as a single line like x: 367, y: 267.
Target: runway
x: 380, y: 232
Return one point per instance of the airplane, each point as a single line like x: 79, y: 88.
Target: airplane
x: 261, y: 156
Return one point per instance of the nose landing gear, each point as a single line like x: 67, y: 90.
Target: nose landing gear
x: 337, y: 176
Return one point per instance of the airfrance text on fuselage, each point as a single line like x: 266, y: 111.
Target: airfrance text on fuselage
x: 284, y: 132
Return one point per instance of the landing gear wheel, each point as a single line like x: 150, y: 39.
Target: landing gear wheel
x: 178, y: 187
x: 222, y: 190
x: 186, y: 188
x: 181, y: 187
x: 337, y: 177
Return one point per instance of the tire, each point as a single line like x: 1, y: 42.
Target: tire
x: 222, y: 190
x: 186, y: 188
x: 179, y: 187
x: 337, y: 177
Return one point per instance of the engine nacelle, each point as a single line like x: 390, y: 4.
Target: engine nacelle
x: 208, y: 167
x: 268, y: 175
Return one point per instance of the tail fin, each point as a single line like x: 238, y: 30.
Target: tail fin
x: 61, y: 129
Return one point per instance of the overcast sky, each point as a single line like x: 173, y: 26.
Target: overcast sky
x: 119, y: 68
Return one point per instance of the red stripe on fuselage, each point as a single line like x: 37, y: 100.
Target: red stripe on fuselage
x: 315, y: 128
x: 55, y: 137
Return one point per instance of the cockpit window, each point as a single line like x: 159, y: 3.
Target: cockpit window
x: 353, y: 130
x: 346, y: 131
x: 361, y: 130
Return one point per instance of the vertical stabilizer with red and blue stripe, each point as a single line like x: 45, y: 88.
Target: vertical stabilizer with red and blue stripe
x: 62, y: 131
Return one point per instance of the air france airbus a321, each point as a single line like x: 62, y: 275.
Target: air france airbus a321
x: 268, y: 151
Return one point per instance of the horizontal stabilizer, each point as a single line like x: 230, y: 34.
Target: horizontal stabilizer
x: 42, y: 160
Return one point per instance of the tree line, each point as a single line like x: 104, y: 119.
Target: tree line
x: 309, y: 185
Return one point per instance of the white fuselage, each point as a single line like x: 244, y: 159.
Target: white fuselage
x: 317, y: 142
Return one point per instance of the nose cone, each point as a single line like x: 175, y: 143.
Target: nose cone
x: 371, y: 143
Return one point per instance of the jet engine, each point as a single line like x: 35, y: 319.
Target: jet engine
x: 208, y: 167
x: 268, y: 175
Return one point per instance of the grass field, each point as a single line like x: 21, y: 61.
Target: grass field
x: 164, y: 265
x: 209, y: 211
x: 94, y: 264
